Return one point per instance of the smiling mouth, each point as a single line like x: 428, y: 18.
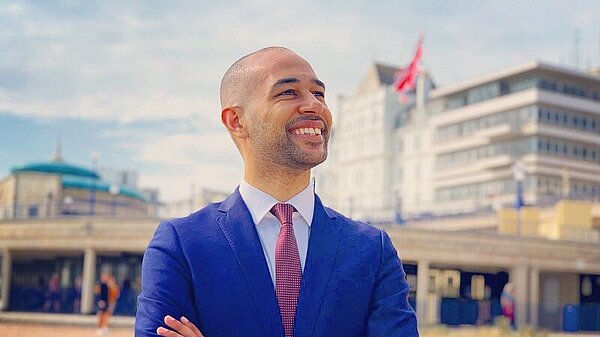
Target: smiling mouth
x: 308, y: 131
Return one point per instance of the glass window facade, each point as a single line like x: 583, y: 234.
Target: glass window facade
x: 568, y: 119
x: 480, y: 190
x: 513, y: 148
x: 512, y: 85
x: 514, y: 117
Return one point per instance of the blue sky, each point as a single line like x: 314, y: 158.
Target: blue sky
x: 137, y: 81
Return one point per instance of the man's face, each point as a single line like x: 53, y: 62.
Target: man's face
x: 289, y: 121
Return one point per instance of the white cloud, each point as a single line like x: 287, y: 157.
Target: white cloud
x: 186, y: 148
x: 148, y: 62
x: 206, y: 160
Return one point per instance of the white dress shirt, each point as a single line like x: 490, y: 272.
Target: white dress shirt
x: 260, y: 203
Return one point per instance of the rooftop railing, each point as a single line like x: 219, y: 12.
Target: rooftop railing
x: 71, y: 207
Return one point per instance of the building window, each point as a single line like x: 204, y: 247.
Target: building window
x: 33, y: 211
x: 456, y: 101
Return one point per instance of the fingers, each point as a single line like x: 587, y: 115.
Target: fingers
x: 191, y: 325
x: 180, y: 328
x: 167, y: 333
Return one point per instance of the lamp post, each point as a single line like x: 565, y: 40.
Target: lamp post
x: 95, y: 159
x: 49, y: 204
x: 519, y: 176
x: 566, y: 188
x: 398, y: 207
x: 114, y: 191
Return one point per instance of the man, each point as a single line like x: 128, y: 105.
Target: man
x: 271, y: 260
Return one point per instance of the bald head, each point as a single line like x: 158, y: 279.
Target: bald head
x: 238, y: 80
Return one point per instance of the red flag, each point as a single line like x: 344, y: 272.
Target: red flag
x: 405, y: 78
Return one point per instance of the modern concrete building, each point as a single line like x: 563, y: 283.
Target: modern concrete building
x: 452, y: 149
x: 544, y: 116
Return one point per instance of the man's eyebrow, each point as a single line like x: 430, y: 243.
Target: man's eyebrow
x: 289, y: 80
x: 319, y: 83
x: 286, y: 80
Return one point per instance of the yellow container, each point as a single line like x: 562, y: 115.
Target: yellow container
x: 574, y: 213
x: 529, y: 219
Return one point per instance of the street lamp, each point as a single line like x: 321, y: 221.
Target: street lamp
x: 114, y: 191
x: 49, y: 204
x: 518, y: 170
x: 95, y: 159
x: 67, y: 202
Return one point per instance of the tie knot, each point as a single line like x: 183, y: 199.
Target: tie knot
x: 283, y: 212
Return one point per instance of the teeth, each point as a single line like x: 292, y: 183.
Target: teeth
x: 310, y: 131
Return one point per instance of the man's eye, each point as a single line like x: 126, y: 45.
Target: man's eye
x: 288, y: 92
x: 319, y: 94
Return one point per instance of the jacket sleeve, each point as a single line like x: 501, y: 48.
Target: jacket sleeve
x: 390, y: 314
x: 166, y: 283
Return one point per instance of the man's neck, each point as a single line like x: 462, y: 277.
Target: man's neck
x: 280, y: 185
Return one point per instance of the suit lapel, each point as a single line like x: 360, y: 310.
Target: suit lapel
x: 322, y: 248
x: 239, y: 229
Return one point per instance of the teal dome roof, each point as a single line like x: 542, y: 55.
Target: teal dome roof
x: 56, y: 167
x: 76, y: 177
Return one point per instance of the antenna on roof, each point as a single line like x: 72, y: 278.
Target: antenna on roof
x: 58, y: 153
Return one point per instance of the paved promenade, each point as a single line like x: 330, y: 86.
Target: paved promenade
x: 59, y: 325
x: 53, y: 330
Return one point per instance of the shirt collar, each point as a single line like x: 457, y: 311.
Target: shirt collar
x: 260, y: 203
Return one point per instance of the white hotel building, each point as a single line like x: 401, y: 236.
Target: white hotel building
x: 451, y: 150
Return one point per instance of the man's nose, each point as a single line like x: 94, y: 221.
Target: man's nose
x: 312, y: 104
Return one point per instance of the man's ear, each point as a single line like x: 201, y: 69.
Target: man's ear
x: 231, y: 118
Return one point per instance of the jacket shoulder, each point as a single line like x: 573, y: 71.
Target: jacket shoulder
x: 354, y: 227
x: 208, y: 212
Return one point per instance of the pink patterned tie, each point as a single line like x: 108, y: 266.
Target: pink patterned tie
x: 288, y: 272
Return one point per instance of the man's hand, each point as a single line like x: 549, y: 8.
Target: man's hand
x: 182, y: 328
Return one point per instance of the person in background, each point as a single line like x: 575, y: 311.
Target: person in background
x: 507, y: 301
x: 113, y: 295
x: 77, y: 294
x: 103, y: 292
x: 53, y: 295
x: 126, y: 303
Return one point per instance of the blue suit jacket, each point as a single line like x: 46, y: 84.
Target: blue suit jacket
x: 210, y: 267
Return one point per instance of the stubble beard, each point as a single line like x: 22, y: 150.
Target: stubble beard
x: 285, y: 153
